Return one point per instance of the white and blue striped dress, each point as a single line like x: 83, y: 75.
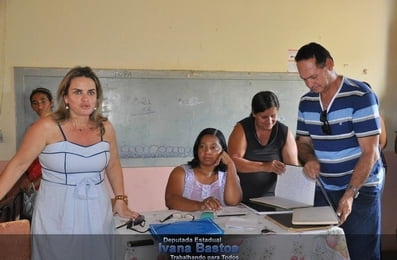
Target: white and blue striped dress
x: 72, y: 200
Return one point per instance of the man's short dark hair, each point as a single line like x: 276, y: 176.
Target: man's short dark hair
x: 313, y: 50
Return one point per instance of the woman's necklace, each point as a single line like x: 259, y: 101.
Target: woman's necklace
x: 81, y: 129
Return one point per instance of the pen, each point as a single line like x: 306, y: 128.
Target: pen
x: 232, y: 215
x: 167, y: 218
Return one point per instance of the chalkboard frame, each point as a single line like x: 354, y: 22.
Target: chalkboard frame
x: 290, y: 89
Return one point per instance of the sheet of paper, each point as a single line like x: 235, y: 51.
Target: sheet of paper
x: 294, y: 185
x: 293, y: 190
x: 231, y: 211
x: 246, y: 223
x: 291, y: 64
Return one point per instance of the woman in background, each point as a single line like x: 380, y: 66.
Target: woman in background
x: 261, y: 146
x: 42, y: 102
x: 207, y: 182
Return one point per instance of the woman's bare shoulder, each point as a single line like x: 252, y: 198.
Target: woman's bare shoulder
x: 44, y: 129
x: 178, y: 171
x: 45, y: 123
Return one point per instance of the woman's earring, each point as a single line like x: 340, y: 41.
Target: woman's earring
x: 67, y: 106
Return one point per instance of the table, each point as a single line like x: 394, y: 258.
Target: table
x: 245, y: 234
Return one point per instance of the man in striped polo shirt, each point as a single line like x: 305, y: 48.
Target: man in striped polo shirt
x: 338, y: 136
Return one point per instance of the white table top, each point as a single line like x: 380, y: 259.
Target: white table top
x: 250, y: 223
x: 327, y: 243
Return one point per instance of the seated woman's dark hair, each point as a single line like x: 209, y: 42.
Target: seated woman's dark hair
x: 222, y: 141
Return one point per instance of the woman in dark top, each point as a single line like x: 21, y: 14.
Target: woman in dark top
x: 260, y: 147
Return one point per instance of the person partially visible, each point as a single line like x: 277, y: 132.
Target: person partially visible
x: 382, y: 137
x: 76, y: 146
x: 338, y: 144
x: 209, y: 181
x: 42, y: 102
x: 383, y: 142
x: 261, y: 146
x: 395, y: 143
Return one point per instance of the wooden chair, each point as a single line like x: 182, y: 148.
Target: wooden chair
x: 15, y: 240
x: 11, y: 204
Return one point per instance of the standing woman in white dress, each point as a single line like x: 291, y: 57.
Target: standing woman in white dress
x: 76, y: 147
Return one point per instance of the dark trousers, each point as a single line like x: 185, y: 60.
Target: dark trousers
x: 363, y: 226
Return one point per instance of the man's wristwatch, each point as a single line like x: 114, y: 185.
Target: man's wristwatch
x: 354, y: 189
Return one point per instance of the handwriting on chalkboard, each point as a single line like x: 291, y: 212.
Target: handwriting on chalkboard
x: 193, y: 101
x: 142, y: 106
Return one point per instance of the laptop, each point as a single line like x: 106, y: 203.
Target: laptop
x: 262, y: 209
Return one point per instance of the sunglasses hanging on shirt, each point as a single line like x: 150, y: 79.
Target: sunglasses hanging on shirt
x: 326, y: 127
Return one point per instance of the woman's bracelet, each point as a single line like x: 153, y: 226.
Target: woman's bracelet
x: 121, y: 197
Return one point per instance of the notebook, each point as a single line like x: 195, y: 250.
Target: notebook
x: 284, y: 220
x: 205, y: 226
x: 231, y: 211
x: 293, y: 190
x: 324, y: 215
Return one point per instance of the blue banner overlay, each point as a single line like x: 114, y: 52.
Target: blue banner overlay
x: 268, y: 245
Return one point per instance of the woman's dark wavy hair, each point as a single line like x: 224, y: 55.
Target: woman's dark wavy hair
x: 264, y: 100
x: 222, y: 141
x: 62, y: 114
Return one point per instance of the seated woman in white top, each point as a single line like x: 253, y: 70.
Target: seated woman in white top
x: 207, y: 182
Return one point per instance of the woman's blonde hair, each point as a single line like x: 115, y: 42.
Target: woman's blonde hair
x: 62, y: 113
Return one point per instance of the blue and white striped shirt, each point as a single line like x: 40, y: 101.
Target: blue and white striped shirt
x: 353, y: 113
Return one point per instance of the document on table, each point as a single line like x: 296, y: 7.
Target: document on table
x: 230, y: 211
x: 293, y: 190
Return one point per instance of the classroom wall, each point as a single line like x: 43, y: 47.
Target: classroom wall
x: 195, y: 35
x: 219, y: 35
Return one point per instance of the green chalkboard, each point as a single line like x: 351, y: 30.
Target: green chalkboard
x: 158, y: 114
